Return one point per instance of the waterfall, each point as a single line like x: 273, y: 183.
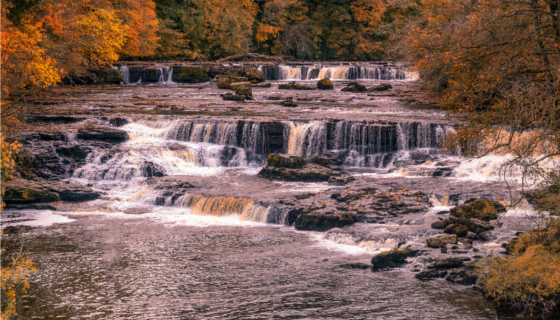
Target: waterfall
x: 222, y: 133
x: 352, y: 72
x: 307, y: 140
x: 225, y: 206
x: 125, y: 72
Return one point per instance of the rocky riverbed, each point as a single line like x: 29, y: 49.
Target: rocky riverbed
x: 153, y: 190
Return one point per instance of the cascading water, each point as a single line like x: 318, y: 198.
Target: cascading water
x: 245, y: 208
x: 307, y: 140
x: 316, y: 72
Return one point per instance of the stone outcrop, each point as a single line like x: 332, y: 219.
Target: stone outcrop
x: 233, y: 97
x: 389, y: 259
x: 355, y: 87
x: 20, y: 191
x: 183, y: 74
x: 432, y: 274
x: 285, y: 161
x: 479, y: 208
x: 442, y: 240
x: 294, y: 86
x: 381, y: 87
x: 224, y: 81
x: 253, y: 75
x: 463, y: 276
x: 95, y: 132
x: 325, y: 84
x: 241, y: 88
x: 310, y: 173
x: 149, y: 170
x: 323, y: 222
x: 448, y: 263
x: 151, y: 74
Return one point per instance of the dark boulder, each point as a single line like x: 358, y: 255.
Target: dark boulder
x: 118, y: 121
x: 479, y: 208
x: 463, y: 276
x: 448, y: 263
x: 241, y: 88
x: 382, y: 87
x: 73, y: 192
x: 253, y: 75
x: 285, y: 161
x: 432, y: 274
x: 355, y: 87
x: 325, y: 84
x: 323, y: 222
x: 224, y: 81
x: 183, y: 74
x: 389, y: 259
x: 356, y: 265
x: 438, y: 225
x: 232, y: 97
x: 441, y: 241
x: 294, y: 86
x: 94, y: 132
x: 149, y: 170
x: 329, y: 159
x: 309, y: 173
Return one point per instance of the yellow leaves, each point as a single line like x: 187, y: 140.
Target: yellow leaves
x: 104, y: 36
x: 14, y: 279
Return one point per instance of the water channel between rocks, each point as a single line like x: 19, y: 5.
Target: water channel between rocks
x: 185, y: 228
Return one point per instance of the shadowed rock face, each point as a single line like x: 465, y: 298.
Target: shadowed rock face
x: 389, y: 259
x: 309, y: 173
x: 20, y: 191
x: 323, y: 222
x: 189, y: 74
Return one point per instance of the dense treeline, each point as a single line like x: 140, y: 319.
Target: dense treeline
x: 304, y: 29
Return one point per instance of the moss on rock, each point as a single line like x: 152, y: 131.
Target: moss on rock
x: 108, y: 76
x: 479, y: 208
x: 325, y: 84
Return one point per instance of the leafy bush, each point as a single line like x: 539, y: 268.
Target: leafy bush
x: 530, y: 280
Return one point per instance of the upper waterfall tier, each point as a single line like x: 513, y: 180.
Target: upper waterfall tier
x: 164, y: 73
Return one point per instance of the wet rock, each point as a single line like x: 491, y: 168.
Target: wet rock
x: 289, y: 102
x: 433, y: 274
x: 463, y: 276
x: 30, y: 206
x: 389, y: 259
x: 262, y: 85
x: 325, y: 84
x: 285, y: 161
x: 28, y: 194
x: 355, y: 87
x: 20, y: 191
x: 357, y: 265
x: 224, y: 81
x: 382, y: 87
x: 471, y: 225
x: 323, y: 222
x: 72, y: 192
x: 479, y: 208
x: 189, y: 74
x: 438, y: 225
x: 441, y: 241
x: 149, y: 170
x: 485, y: 236
x: 74, y: 151
x: 108, y: 76
x: 241, y: 88
x: 151, y: 74
x: 309, y: 173
x: 342, y: 180
x: 329, y: 159
x: 118, y: 121
x: 253, y: 75
x: 294, y: 86
x: 95, y: 132
x: 448, y: 263
x: 232, y: 97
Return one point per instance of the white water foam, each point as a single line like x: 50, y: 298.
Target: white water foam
x: 32, y: 218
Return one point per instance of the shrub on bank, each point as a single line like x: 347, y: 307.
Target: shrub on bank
x: 530, y: 280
